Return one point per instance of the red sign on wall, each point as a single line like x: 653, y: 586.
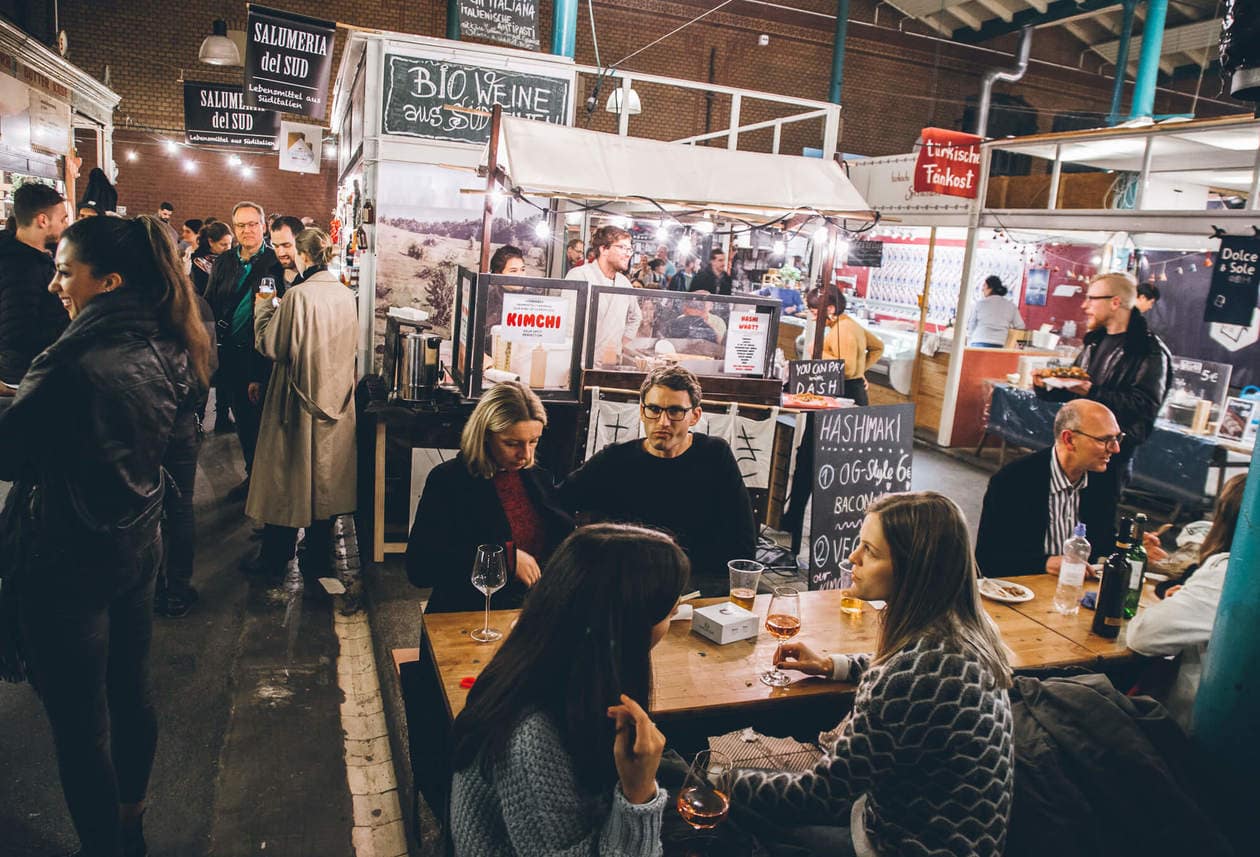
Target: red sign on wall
x: 948, y: 163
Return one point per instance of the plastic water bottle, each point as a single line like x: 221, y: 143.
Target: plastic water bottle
x: 1067, y: 595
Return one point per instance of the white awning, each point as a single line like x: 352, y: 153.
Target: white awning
x: 544, y: 160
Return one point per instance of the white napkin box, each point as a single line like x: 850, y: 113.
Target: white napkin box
x: 722, y: 628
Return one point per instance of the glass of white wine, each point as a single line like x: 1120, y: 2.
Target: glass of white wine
x: 489, y: 575
x: 783, y: 621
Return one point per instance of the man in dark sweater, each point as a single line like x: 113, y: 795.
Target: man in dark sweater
x: 31, y: 317
x: 686, y: 484
x: 1032, y: 504
x: 715, y: 279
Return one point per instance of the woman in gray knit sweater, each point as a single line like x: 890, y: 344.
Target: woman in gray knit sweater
x: 923, y: 765
x: 554, y: 753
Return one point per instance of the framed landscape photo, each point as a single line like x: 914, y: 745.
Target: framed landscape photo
x: 1236, y: 419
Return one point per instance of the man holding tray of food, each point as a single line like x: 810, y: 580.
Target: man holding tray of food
x: 1123, y: 365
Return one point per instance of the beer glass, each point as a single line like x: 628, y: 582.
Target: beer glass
x: 745, y: 575
x: 849, y: 603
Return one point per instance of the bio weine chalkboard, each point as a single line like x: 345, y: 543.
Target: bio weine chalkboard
x: 440, y: 100
x: 820, y: 377
x: 860, y: 454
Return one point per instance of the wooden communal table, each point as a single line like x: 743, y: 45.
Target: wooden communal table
x: 693, y: 676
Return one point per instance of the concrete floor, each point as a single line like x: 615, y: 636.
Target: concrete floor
x: 250, y: 757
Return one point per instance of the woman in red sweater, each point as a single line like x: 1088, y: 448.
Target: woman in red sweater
x: 493, y: 492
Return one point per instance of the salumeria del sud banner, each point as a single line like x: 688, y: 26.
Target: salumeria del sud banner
x: 215, y: 114
x: 288, y: 59
x: 948, y: 163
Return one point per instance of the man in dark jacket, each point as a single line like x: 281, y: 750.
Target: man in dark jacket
x: 1130, y: 368
x: 31, y: 318
x: 714, y: 279
x: 1032, y: 504
x: 234, y: 280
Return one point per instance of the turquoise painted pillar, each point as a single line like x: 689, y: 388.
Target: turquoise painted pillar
x: 837, y: 51
x: 564, y: 27
x: 1122, y: 62
x: 1227, y: 708
x: 452, y: 19
x: 1148, y: 62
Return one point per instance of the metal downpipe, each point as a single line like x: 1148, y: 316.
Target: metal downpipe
x: 993, y: 75
x: 1122, y: 61
x: 1148, y: 61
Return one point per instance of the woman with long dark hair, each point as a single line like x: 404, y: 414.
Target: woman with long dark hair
x: 212, y: 239
x: 924, y: 763
x: 1182, y: 622
x: 554, y: 752
x: 84, y: 441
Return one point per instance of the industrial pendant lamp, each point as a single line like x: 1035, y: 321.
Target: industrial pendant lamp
x: 633, y: 105
x: 218, y: 49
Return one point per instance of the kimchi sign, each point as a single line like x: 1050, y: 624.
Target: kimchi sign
x: 948, y: 163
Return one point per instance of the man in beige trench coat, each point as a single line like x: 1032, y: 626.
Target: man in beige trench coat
x: 304, y: 472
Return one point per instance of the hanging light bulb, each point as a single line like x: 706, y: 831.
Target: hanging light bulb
x: 247, y: 172
x: 170, y: 147
x: 1095, y: 260
x: 131, y: 154
x: 778, y: 249
x: 820, y: 234
x: 541, y: 230
x: 234, y: 161
x: 1207, y: 262
x: 684, y: 245
x: 1163, y: 276
x: 1193, y: 268
x: 1179, y: 271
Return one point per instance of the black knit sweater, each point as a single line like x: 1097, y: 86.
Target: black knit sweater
x: 31, y: 317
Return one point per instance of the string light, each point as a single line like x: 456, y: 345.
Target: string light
x: 684, y: 245
x: 247, y: 172
x: 131, y: 154
x: 541, y: 230
x: 190, y: 166
x: 1207, y: 262
x: 170, y: 147
x: 234, y: 161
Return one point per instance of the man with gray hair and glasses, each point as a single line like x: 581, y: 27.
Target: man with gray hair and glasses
x: 1130, y: 368
x: 1032, y: 505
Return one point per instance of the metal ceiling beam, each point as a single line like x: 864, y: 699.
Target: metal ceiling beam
x: 1057, y: 10
x: 1188, y: 38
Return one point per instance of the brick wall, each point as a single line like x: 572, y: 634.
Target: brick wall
x: 895, y: 83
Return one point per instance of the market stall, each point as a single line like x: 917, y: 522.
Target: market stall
x: 44, y: 99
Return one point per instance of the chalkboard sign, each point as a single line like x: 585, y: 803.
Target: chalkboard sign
x: 509, y: 22
x: 865, y: 254
x: 860, y: 454
x: 440, y: 100
x: 215, y: 114
x: 288, y: 58
x: 820, y: 377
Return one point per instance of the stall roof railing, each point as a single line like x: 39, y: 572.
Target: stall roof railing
x: 624, y: 80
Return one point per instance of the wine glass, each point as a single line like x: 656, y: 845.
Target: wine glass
x: 704, y: 799
x: 489, y: 575
x: 783, y: 621
x: 745, y: 575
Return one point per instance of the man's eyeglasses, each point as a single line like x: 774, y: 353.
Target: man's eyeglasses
x: 1106, y: 440
x: 674, y: 412
x: 624, y: 248
x: 1099, y: 297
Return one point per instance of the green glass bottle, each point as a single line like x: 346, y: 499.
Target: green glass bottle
x: 1137, y: 568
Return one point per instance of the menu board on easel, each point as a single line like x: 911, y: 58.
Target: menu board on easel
x: 818, y: 377
x: 860, y: 454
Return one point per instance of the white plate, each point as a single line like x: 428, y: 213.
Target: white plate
x: 993, y: 588
x: 1061, y: 382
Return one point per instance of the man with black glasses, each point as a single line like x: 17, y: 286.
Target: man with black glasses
x: 1130, y: 368
x: 1032, y: 505
x: 686, y: 484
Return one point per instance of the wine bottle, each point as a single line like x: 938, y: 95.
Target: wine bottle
x: 1137, y: 568
x: 1109, y: 609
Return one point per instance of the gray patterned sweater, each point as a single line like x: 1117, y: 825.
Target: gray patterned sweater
x: 531, y: 805
x: 926, y: 757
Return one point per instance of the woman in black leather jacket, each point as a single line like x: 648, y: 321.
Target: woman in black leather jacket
x: 84, y: 440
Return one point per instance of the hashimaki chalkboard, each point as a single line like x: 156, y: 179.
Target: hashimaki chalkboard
x: 440, y: 100
x: 860, y: 454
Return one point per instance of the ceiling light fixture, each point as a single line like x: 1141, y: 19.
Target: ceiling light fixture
x: 217, y: 48
x: 633, y: 105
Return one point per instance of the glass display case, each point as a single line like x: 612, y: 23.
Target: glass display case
x: 638, y: 330
x: 1198, y: 392
x: 512, y: 328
